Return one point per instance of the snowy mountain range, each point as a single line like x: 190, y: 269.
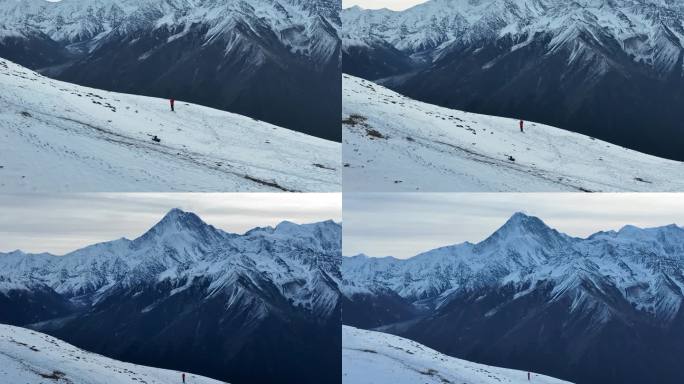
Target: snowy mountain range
x: 85, y: 139
x: 394, y: 143
x: 34, y: 358
x: 611, y: 69
x: 530, y: 297
x: 379, y: 358
x: 235, y: 55
x: 188, y: 296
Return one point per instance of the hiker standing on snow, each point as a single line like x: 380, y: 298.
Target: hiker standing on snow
x: 182, y: 374
x: 172, y: 102
x: 521, y: 126
x: 528, y: 373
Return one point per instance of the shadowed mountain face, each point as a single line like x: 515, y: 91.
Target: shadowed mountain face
x: 531, y: 298
x: 262, y: 307
x: 611, y: 70
x: 274, y: 61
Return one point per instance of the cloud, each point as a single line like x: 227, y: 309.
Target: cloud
x: 62, y: 223
x: 405, y: 224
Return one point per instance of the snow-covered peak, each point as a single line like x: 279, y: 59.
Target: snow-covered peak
x: 525, y: 231
x: 521, y: 224
x: 177, y: 222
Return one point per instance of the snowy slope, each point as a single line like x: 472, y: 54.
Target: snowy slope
x: 31, y: 357
x: 376, y: 358
x: 393, y: 143
x: 61, y: 137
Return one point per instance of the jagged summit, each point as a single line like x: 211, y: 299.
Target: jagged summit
x: 520, y: 221
x: 521, y: 226
x: 177, y: 220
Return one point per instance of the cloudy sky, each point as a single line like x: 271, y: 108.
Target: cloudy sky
x: 405, y: 224
x: 62, y: 223
x: 396, y: 5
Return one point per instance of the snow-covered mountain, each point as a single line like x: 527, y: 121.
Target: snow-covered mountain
x: 645, y: 265
x: 224, y: 54
x: 34, y: 358
x: 379, y: 358
x: 220, y: 302
x: 529, y: 297
x: 296, y: 23
x: 611, y: 69
x: 84, y: 139
x: 394, y: 143
x: 298, y: 260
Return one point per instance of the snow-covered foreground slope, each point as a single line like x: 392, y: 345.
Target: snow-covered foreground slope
x: 57, y: 136
x: 376, y: 358
x: 30, y: 357
x: 393, y: 143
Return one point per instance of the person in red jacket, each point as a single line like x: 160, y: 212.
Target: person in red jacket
x: 172, y: 102
x: 521, y: 126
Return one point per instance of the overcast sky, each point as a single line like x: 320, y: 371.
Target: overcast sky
x: 397, y: 5
x: 405, y: 224
x: 62, y: 223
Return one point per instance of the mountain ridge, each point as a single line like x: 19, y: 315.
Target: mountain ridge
x: 519, y: 241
